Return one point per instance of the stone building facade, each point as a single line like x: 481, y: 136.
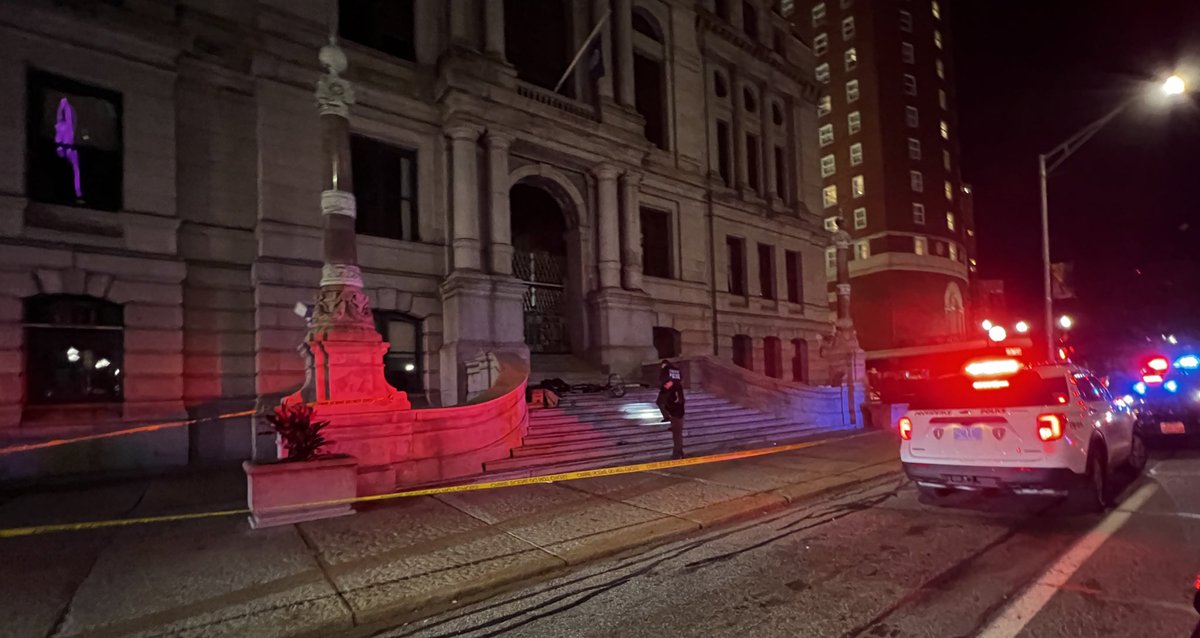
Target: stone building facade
x: 160, y: 187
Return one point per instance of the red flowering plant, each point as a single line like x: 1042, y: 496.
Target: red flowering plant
x: 301, y: 436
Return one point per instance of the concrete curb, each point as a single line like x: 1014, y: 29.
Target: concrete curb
x: 639, y: 536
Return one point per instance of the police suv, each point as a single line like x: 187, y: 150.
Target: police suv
x: 1040, y: 429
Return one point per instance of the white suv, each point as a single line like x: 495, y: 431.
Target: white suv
x: 1028, y: 429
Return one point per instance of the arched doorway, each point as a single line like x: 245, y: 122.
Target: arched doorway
x: 541, y: 260
x: 956, y: 321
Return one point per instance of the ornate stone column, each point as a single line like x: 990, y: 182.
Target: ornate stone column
x: 499, y: 216
x: 845, y: 324
x: 494, y: 28
x: 631, y: 235
x: 845, y: 358
x: 465, y: 180
x: 623, y: 22
x: 609, y: 258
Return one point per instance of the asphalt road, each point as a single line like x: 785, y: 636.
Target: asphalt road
x: 874, y: 561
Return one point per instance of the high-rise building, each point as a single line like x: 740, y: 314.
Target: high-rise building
x: 887, y: 133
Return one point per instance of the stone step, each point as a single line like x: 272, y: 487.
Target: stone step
x: 599, y: 454
x: 632, y: 412
x: 642, y: 434
x: 566, y: 425
x: 585, y: 431
x: 628, y: 455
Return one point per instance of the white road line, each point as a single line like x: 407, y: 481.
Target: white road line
x: 1020, y: 611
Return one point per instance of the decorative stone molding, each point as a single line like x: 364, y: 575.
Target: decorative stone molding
x: 339, y: 203
x: 463, y: 131
x: 605, y: 171
x: 341, y: 275
x: 334, y: 93
x: 499, y: 140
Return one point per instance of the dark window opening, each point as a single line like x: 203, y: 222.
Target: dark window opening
x: 536, y: 41
x: 800, y: 360
x: 795, y: 276
x: 750, y: 20
x: 766, y: 271
x: 648, y: 98
x: 646, y: 26
x: 736, y: 249
x: 723, y: 9
x: 402, y: 362
x: 383, y: 25
x: 781, y: 174
x: 749, y: 101
x: 74, y: 350
x: 743, y: 352
x: 720, y: 86
x: 777, y: 114
x: 667, y: 342
x: 752, y: 161
x: 780, y: 42
x: 657, y: 247
x: 773, y: 357
x: 724, y: 158
x: 74, y: 142
x: 385, y: 189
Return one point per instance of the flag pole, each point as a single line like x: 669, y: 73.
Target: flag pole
x: 579, y: 53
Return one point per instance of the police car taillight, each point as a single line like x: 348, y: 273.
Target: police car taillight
x: 1050, y: 427
x: 905, y: 428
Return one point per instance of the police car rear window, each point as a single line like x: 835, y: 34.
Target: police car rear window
x: 1026, y: 388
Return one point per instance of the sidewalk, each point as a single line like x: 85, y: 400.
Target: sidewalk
x: 403, y: 558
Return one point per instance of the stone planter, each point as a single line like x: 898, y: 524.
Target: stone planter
x: 277, y: 492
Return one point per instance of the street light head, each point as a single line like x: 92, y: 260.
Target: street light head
x: 1022, y: 327
x: 1174, y: 85
x: 1065, y: 322
x: 987, y: 324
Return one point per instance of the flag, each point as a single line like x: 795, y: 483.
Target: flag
x: 596, y: 59
x: 1061, y: 285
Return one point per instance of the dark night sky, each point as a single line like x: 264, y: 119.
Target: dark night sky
x: 1029, y: 74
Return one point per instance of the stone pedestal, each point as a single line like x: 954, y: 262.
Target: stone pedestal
x: 483, y: 313
x: 624, y: 327
x: 847, y: 364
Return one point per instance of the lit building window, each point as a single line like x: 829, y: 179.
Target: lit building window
x: 825, y: 134
x: 858, y: 186
x: 402, y: 363
x: 830, y: 262
x: 942, y: 99
x: 953, y: 252
x: 828, y: 165
x: 937, y: 38
x: 851, y: 58
x: 950, y: 221
x: 937, y: 9
x: 906, y: 22
x: 917, y: 181
x: 823, y: 73
x: 831, y: 223
x: 910, y: 84
x: 74, y: 349
x: 914, y: 148
x: 946, y: 159
x: 941, y: 70
x: 856, y: 154
x: 863, y: 249
x: 912, y: 116
x: 860, y: 218
x: 920, y: 245
x: 829, y: 196
x: 818, y: 14
x: 848, y: 29
x: 787, y: 7
x: 949, y: 191
x: 852, y: 91
x: 854, y: 122
x: 825, y: 105
x: 907, y: 53
x: 945, y: 128
x: 919, y: 213
x: 821, y: 44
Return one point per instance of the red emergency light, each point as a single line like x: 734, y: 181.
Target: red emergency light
x: 1158, y: 364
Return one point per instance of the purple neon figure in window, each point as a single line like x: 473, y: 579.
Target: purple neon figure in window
x: 64, y: 135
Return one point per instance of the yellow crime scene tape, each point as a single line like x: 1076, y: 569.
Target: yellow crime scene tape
x: 15, y: 532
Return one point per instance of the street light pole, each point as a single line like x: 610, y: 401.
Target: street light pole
x: 1048, y: 301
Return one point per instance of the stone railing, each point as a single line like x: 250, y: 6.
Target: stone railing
x: 554, y: 100
x: 797, y: 402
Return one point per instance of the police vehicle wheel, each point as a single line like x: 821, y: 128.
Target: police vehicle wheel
x: 1093, y: 495
x: 931, y: 495
x: 1137, y: 455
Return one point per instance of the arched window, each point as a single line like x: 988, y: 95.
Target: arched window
x: 800, y: 360
x: 748, y: 100
x: 649, y: 76
x: 74, y: 349
x: 743, y: 351
x: 402, y: 362
x: 773, y: 357
x: 776, y: 114
x: 956, y: 322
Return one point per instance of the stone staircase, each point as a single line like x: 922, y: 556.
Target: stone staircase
x: 567, y: 367
x: 594, y: 430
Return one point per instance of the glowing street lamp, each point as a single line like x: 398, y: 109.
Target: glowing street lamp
x: 1065, y: 322
x: 987, y: 324
x: 1174, y: 85
x: 997, y: 333
x: 1022, y: 327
